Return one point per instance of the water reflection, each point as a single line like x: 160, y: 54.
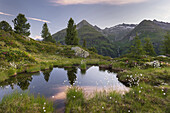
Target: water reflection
x: 23, y: 81
x: 83, y: 71
x: 53, y: 83
x: 71, y: 73
x: 47, y: 74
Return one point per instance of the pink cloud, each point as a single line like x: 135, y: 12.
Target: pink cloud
x: 30, y: 18
x: 36, y: 19
x: 1, y: 13
x: 111, y: 2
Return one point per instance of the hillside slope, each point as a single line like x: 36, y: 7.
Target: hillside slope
x: 116, y: 40
x: 20, y: 54
x: 147, y: 28
x: 93, y: 38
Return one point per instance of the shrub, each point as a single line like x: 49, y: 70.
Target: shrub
x: 11, y: 71
x: 15, y: 55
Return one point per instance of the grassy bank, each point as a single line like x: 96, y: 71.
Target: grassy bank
x: 141, y: 99
x: 150, y: 89
x: 25, y: 103
x: 43, y: 63
x: 22, y: 54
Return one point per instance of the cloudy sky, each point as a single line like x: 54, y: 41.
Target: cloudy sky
x: 103, y: 13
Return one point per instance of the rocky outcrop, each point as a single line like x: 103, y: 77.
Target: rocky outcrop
x: 80, y: 52
x: 155, y: 64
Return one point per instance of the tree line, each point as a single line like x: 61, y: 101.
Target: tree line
x: 21, y: 26
x: 147, y: 49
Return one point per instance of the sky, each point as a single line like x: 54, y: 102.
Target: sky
x: 103, y: 13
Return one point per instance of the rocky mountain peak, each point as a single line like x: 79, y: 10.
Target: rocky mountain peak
x: 83, y: 23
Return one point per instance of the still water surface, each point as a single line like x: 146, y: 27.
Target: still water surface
x: 53, y: 83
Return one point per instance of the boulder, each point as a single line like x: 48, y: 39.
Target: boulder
x: 162, y: 56
x: 80, y: 52
x: 155, y: 63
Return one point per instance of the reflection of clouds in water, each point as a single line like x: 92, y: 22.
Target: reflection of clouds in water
x: 61, y: 93
x: 93, y: 81
x: 53, y: 83
x: 88, y: 90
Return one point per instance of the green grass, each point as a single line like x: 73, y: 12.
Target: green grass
x: 149, y: 86
x: 83, y: 66
x: 152, y: 76
x: 149, y: 92
x: 75, y: 99
x: 141, y: 99
x: 33, y: 69
x: 25, y: 103
x: 3, y: 76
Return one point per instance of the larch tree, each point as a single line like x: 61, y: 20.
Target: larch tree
x: 46, y: 35
x: 136, y: 48
x: 21, y: 26
x: 84, y: 43
x: 71, y: 37
x: 5, y: 26
x: 166, y: 44
x: 148, y: 47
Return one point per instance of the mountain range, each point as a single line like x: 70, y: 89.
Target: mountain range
x: 116, y: 40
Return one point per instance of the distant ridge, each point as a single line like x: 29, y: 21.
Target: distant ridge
x: 109, y: 40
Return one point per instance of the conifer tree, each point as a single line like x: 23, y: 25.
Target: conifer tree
x: 21, y: 26
x: 71, y: 36
x: 46, y: 35
x: 136, y: 48
x: 93, y: 49
x: 148, y: 47
x: 84, y: 43
x: 166, y: 44
x: 5, y: 26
